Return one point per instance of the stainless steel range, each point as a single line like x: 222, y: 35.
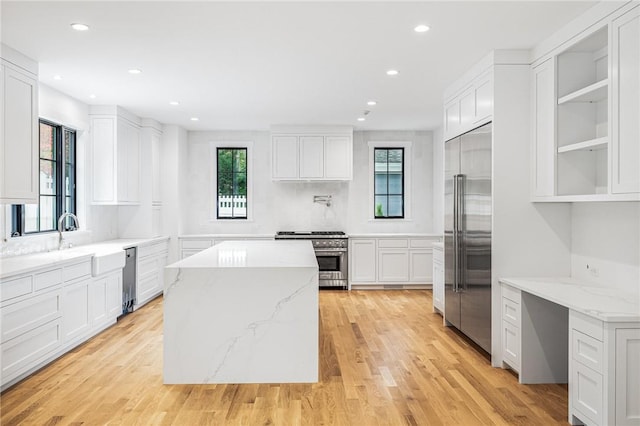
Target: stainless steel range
x: 331, y: 248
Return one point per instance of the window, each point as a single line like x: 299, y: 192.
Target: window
x: 231, y: 167
x: 57, y: 184
x: 388, y: 183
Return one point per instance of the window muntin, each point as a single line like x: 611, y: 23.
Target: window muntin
x: 57, y: 193
x: 388, y: 183
x: 231, y: 166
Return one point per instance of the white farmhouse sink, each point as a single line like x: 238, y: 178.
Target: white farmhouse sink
x: 107, y: 261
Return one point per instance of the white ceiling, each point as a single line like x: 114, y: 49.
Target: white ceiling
x: 242, y: 65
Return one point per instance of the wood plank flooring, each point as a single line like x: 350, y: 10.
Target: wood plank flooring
x: 385, y: 359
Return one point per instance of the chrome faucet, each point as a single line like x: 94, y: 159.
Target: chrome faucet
x: 61, y: 219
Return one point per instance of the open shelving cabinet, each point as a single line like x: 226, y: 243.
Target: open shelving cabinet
x: 582, y: 131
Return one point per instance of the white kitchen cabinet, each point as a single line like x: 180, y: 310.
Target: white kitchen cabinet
x: 312, y: 153
x: 191, y: 246
x: 156, y: 187
x: 76, y: 320
x: 470, y: 108
x: 115, y: 153
x: 511, y: 338
x: 284, y: 158
x: 625, y: 146
x: 393, y: 265
x: 438, y: 278
x: 311, y: 157
x: 586, y: 103
x: 106, y: 298
x: 362, y: 260
x: 19, y: 138
x: 420, y: 266
x: 627, y: 362
x: 544, y: 112
x: 150, y: 263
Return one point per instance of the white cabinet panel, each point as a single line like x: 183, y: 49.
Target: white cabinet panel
x: 484, y: 98
x: 467, y: 108
x: 511, y: 345
x: 586, y: 394
x: 362, y: 260
x: 627, y: 402
x: 438, y: 279
x: 311, y: 157
x: 544, y: 129
x: 156, y: 190
x: 115, y: 153
x: 19, y: 141
x: 420, y: 266
x: 393, y: 265
x: 26, y: 315
x: 284, y: 157
x: 76, y: 319
x: 338, y: 152
x: 625, y: 147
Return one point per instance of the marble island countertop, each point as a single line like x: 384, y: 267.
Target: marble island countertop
x: 253, y: 254
x: 15, y: 265
x: 603, y: 303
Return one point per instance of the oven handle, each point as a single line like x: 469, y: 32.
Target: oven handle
x: 329, y: 252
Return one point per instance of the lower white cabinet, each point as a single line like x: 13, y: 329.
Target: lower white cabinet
x: 150, y: 265
x: 390, y: 260
x: 438, y: 278
x: 106, y: 298
x: 511, y: 326
x: 627, y: 410
x: 192, y: 245
x: 76, y: 320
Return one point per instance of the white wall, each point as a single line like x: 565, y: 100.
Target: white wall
x: 174, y: 175
x: 289, y: 205
x: 606, y: 236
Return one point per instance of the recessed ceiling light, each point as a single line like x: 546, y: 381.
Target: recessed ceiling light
x: 421, y: 29
x: 57, y: 77
x: 80, y: 27
x: 361, y: 118
x: 134, y: 71
x: 174, y: 103
x: 92, y: 96
x: 392, y: 72
x: 372, y: 103
x: 194, y: 119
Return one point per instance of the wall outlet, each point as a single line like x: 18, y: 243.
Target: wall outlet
x: 593, y: 271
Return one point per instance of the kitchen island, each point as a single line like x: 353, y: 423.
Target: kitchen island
x: 242, y: 312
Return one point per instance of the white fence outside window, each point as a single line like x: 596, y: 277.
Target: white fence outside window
x: 232, y: 206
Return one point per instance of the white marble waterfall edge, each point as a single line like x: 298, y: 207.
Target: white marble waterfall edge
x: 241, y: 325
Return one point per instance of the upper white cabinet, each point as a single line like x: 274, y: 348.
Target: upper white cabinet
x: 312, y: 153
x: 470, y: 108
x: 625, y: 146
x: 115, y: 148
x: 586, y: 104
x: 19, y: 128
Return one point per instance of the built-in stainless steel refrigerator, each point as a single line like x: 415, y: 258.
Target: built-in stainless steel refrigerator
x: 467, y: 236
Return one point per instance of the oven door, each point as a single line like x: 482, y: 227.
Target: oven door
x: 332, y: 265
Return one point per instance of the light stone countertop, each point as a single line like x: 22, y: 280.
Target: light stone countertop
x: 225, y: 236
x: 395, y: 235
x: 17, y: 265
x: 253, y: 254
x: 603, y: 303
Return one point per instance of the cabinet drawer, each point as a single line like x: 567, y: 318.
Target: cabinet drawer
x: 585, y: 392
x: 196, y: 244
x: 78, y: 270
x: 48, y: 279
x: 587, y: 350
x: 152, y: 249
x: 393, y: 243
x: 26, y: 315
x: 20, y: 354
x: 511, y: 311
x: 147, y: 267
x: 421, y: 243
x: 16, y: 288
x: 186, y: 253
x: 511, y: 345
x: 587, y: 325
x: 511, y: 293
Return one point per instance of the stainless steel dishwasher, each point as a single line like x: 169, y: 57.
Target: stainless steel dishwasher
x: 129, y: 281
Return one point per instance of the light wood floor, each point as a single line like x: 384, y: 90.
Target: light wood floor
x: 385, y: 359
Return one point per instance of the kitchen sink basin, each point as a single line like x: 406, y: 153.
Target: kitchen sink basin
x: 107, y: 261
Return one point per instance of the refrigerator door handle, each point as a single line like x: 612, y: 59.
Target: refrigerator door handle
x: 456, y: 246
x: 462, y: 237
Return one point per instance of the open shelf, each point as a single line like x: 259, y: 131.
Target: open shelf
x: 590, y: 145
x: 593, y: 93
